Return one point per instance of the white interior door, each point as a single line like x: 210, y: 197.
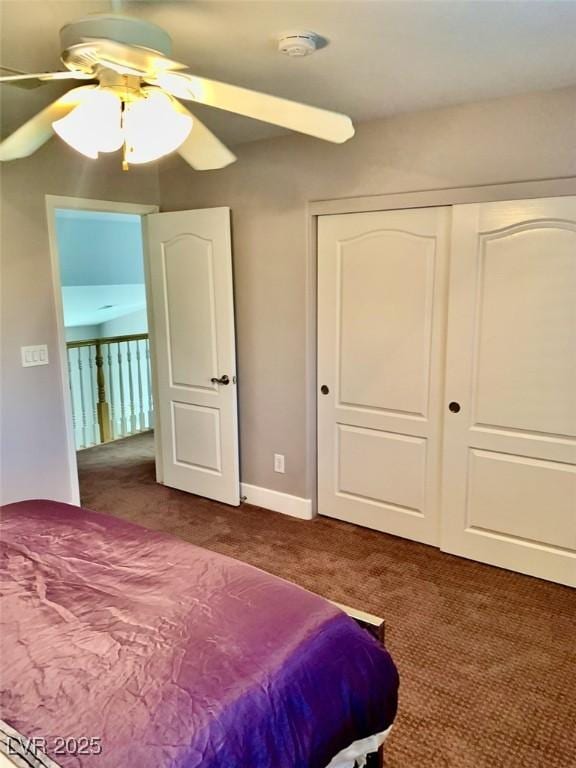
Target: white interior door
x: 193, y: 348
x: 509, y: 486
x: 381, y: 328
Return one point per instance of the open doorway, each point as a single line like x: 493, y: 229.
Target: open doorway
x: 187, y: 258
x: 106, y: 325
x: 100, y: 284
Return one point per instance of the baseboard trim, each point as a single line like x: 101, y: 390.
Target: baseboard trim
x: 295, y: 506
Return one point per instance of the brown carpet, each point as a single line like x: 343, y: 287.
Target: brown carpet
x: 487, y: 658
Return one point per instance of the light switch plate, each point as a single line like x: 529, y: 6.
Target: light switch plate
x: 36, y: 355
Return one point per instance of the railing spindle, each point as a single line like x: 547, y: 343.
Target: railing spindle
x: 141, y: 422
x: 95, y: 433
x: 111, y: 390
x: 122, y: 399
x: 132, y: 414
x: 72, y: 398
x: 82, y: 398
x: 149, y: 385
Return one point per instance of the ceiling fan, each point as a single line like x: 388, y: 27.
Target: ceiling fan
x: 130, y: 100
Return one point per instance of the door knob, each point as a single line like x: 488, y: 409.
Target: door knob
x: 454, y: 407
x: 222, y: 380
x: 324, y: 389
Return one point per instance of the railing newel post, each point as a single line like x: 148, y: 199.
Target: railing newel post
x: 103, y: 407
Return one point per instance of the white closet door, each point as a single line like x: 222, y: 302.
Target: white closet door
x: 381, y: 323
x: 509, y: 481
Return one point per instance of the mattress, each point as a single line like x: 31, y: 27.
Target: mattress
x: 126, y: 647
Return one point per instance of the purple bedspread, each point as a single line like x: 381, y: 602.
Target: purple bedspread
x: 172, y: 655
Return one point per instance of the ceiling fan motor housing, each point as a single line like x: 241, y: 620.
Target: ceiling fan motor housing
x: 121, y: 29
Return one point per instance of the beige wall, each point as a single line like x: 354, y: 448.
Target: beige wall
x: 531, y: 137
x: 33, y: 449
x: 521, y: 138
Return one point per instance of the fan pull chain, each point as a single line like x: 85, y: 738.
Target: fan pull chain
x: 125, y: 165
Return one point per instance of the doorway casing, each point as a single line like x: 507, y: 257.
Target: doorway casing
x: 54, y: 202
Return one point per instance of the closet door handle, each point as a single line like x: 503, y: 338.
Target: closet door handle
x: 222, y: 380
x: 454, y: 407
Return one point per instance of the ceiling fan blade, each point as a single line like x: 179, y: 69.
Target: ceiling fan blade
x: 202, y: 150
x: 125, y: 59
x: 30, y: 136
x: 44, y: 76
x: 330, y: 126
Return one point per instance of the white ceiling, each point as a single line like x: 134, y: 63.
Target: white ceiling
x: 383, y: 57
x: 96, y: 248
x: 95, y: 304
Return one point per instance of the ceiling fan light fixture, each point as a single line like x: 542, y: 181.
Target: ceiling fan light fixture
x: 94, y: 125
x: 153, y: 126
x: 122, y: 55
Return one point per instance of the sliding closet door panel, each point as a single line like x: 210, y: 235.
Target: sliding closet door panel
x: 509, y: 487
x: 381, y: 315
x: 362, y: 454
x: 522, y: 498
x: 535, y: 325
x: 374, y: 270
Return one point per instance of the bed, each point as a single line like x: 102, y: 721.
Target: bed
x: 125, y: 647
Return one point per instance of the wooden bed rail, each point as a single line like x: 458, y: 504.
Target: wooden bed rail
x: 377, y: 627
x: 374, y: 624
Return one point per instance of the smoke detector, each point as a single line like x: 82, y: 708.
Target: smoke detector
x: 298, y: 44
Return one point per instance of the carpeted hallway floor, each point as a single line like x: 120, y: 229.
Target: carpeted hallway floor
x: 487, y: 658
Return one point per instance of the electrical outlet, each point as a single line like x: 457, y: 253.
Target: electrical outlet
x: 279, y: 462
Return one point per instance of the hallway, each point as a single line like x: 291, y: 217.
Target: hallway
x: 486, y: 656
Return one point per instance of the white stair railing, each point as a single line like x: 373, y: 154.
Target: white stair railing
x: 110, y: 388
